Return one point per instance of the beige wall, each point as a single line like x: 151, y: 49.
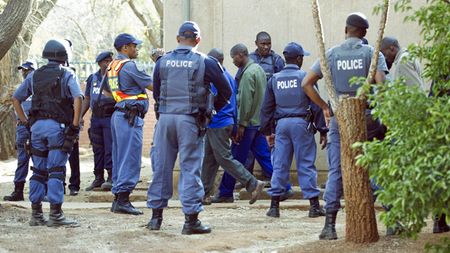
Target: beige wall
x: 224, y: 23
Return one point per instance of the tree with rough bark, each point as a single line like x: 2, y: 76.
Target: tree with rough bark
x: 361, y: 225
x: 15, y: 54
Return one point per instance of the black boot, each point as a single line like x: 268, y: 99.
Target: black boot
x: 156, y: 220
x: 192, y: 225
x: 274, y: 210
x: 315, y: 210
x: 107, y: 185
x: 98, y: 181
x: 114, y: 203
x: 329, y: 230
x: 17, y: 194
x: 57, y: 218
x: 124, y: 206
x: 37, y: 216
x: 440, y: 224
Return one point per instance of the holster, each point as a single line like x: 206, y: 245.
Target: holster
x: 70, y: 137
x: 202, y: 119
x: 103, y: 109
x: 133, y: 111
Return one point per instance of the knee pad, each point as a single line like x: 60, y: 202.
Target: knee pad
x: 57, y: 172
x: 40, y: 176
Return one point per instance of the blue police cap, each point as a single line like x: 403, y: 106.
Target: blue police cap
x: 125, y: 39
x: 357, y: 19
x: 29, y: 64
x: 189, y: 29
x: 103, y: 55
x: 293, y: 50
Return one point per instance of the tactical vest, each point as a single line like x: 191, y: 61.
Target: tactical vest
x: 347, y: 63
x: 290, y: 99
x: 182, y: 86
x: 49, y: 100
x: 113, y: 80
x: 101, y: 106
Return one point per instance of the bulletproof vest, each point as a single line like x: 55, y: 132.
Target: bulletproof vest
x: 101, y: 106
x: 267, y: 64
x: 347, y: 63
x: 49, y: 100
x: 290, y: 99
x: 182, y: 86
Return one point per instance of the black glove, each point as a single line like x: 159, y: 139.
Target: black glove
x: 70, y: 137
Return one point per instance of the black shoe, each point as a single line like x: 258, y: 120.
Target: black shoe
x: 206, y: 201
x: 37, y: 216
x: 315, y: 210
x: 57, y: 218
x: 107, y: 185
x: 256, y: 194
x: 98, y: 181
x: 17, y: 194
x: 114, y: 203
x: 287, y: 195
x: 124, y: 205
x: 156, y: 220
x: 329, y: 230
x: 274, y: 210
x: 440, y: 225
x: 218, y: 199
x: 73, y: 192
x: 192, y: 225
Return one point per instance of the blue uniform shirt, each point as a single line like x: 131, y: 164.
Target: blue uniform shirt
x: 26, y: 105
x: 70, y: 83
x: 132, y: 82
x: 93, y: 85
x: 227, y: 116
x: 272, y: 63
x: 213, y: 74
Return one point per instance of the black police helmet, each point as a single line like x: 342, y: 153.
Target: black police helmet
x: 357, y: 19
x: 57, y: 50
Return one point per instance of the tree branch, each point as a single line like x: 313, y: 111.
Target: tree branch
x: 148, y: 30
x: 159, y: 6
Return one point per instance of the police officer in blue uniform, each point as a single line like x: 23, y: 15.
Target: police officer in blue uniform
x: 287, y: 105
x: 102, y: 108
x: 22, y: 137
x: 54, y: 119
x: 270, y: 61
x: 349, y: 59
x: 181, y: 82
x: 128, y: 87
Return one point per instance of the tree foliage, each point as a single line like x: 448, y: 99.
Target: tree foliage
x: 412, y: 164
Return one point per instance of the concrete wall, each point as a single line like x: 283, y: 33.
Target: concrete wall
x: 224, y: 23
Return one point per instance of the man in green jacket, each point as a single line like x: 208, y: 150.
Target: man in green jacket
x: 252, y: 83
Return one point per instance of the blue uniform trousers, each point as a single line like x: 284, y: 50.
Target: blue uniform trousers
x: 101, y: 139
x: 126, y: 152
x: 48, y: 136
x: 334, y: 188
x: 177, y: 134
x: 293, y: 138
x: 252, y: 141
x: 22, y: 135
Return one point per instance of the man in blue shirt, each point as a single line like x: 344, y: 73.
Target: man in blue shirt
x: 102, y: 108
x: 288, y: 108
x: 217, y: 145
x: 54, y: 118
x: 22, y: 137
x: 128, y: 88
x: 181, y: 85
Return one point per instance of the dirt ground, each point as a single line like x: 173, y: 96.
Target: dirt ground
x: 237, y: 227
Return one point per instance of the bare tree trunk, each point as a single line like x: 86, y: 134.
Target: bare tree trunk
x: 149, y: 32
x: 11, y: 21
x: 10, y: 77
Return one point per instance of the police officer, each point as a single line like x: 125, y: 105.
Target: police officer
x: 217, y: 145
x: 287, y: 105
x: 270, y: 61
x: 22, y: 137
x: 351, y: 58
x: 182, y: 79
x: 127, y: 85
x: 102, y: 108
x: 54, y: 119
